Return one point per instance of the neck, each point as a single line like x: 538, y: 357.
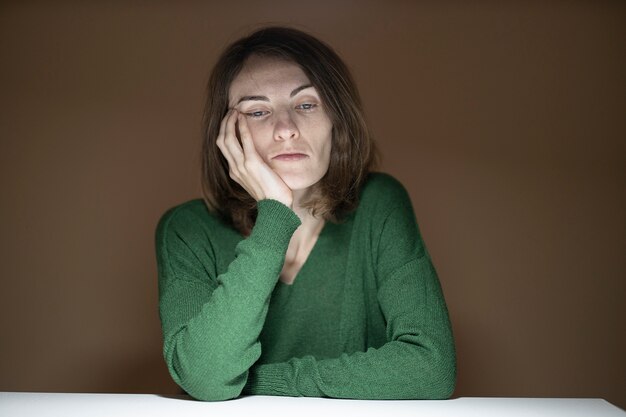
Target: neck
x: 298, y: 198
x: 309, y: 221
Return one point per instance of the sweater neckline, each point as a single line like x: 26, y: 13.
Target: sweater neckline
x: 307, y: 261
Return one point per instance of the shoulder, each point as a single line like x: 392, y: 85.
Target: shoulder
x: 382, y: 197
x: 386, y: 210
x: 191, y: 218
x: 191, y: 211
x: 383, y: 193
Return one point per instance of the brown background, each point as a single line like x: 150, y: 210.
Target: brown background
x: 505, y: 122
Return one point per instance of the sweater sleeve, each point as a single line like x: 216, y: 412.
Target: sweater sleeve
x: 211, y: 324
x: 418, y: 360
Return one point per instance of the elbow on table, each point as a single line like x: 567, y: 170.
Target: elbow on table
x: 430, y: 377
x: 442, y: 390
x: 213, y: 391
x: 442, y: 381
x: 208, y: 383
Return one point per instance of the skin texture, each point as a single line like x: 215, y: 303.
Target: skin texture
x: 283, y: 143
x: 279, y: 123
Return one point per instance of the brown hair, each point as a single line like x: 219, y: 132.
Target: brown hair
x: 353, y: 153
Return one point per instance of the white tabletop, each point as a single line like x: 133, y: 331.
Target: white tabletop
x: 18, y: 404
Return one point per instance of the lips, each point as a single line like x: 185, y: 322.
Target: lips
x: 290, y: 156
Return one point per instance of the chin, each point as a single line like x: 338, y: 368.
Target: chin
x: 300, y: 182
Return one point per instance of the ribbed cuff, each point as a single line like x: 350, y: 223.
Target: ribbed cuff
x: 270, y: 379
x: 275, y: 224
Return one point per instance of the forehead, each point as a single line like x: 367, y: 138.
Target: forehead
x: 267, y: 77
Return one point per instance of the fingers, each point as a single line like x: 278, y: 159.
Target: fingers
x: 220, y: 136
x: 245, y: 165
x: 246, y: 139
x: 225, y: 141
x: 231, y: 143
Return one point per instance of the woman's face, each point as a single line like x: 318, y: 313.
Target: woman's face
x: 288, y: 123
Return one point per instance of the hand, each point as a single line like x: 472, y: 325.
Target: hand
x: 245, y: 165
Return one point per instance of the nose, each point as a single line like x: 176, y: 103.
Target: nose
x: 285, y: 128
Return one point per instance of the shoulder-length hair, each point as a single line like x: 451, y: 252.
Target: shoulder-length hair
x: 353, y: 153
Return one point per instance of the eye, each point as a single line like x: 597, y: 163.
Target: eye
x: 257, y: 114
x: 306, y: 106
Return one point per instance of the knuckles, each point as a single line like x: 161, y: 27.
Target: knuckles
x: 250, y: 164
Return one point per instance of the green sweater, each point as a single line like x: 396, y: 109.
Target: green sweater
x: 365, y: 317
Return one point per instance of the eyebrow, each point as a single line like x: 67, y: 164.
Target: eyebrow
x: 264, y: 98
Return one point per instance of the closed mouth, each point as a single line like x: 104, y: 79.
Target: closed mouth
x: 295, y: 156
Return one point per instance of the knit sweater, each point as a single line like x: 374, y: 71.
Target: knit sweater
x: 365, y: 317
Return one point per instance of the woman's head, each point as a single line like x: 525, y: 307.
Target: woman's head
x: 284, y: 114
x: 255, y: 62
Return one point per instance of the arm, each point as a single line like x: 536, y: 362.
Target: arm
x: 418, y: 360
x: 211, y: 324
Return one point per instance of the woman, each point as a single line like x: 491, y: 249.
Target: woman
x: 302, y: 273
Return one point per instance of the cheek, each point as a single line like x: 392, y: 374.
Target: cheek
x: 326, y: 144
x: 318, y: 130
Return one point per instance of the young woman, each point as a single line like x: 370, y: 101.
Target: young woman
x: 301, y: 272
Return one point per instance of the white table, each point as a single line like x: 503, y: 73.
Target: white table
x: 19, y: 404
